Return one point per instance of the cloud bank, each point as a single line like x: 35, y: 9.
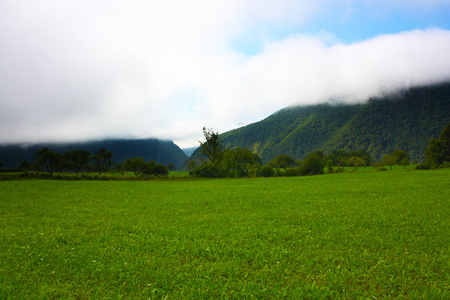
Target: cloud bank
x: 74, y: 71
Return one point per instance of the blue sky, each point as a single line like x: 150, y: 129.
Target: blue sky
x: 353, y: 21
x: 74, y: 71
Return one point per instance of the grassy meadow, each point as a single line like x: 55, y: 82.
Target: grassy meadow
x: 353, y: 235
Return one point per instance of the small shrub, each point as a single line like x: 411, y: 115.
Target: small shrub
x: 280, y: 172
x: 422, y: 167
x: 339, y: 170
x: 291, y: 172
x: 206, y: 171
x: 446, y: 165
x: 266, y: 171
x: 313, y: 164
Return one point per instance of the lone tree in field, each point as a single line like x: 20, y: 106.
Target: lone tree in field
x: 49, y: 160
x: 212, y: 147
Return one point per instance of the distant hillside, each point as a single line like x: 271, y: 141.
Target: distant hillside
x: 403, y: 122
x: 163, y: 152
x: 189, y: 151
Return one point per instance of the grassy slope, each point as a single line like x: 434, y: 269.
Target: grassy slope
x: 350, y: 235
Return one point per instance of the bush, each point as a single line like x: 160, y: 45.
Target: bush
x: 446, y: 165
x: 152, y: 168
x: 266, y: 171
x: 422, y: 167
x: 280, y: 172
x: 313, y: 164
x: 291, y: 172
x: 339, y: 170
x: 207, y: 171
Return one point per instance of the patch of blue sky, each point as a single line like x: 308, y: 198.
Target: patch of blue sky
x: 347, y: 25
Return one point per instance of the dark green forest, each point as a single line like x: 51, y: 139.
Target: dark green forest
x: 404, y: 121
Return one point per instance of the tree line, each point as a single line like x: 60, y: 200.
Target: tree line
x: 83, y: 161
x: 218, y: 161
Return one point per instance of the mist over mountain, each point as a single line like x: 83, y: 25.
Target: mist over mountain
x: 162, y: 152
x: 405, y: 121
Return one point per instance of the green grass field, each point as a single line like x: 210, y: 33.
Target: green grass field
x: 359, y: 235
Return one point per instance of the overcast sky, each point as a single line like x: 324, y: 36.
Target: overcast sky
x: 74, y: 70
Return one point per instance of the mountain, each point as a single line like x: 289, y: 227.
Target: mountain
x: 162, y: 152
x: 189, y: 151
x: 405, y: 121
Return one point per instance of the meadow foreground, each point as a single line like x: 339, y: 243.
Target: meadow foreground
x: 377, y: 235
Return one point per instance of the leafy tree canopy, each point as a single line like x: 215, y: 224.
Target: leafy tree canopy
x: 212, y: 147
x: 101, y: 160
x: 134, y: 164
x: 51, y: 161
x: 438, y: 150
x: 282, y: 161
x: 77, y: 159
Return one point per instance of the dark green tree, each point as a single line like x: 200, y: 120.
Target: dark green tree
x: 49, y: 160
x: 330, y: 166
x: 389, y: 160
x: 282, y: 161
x: 25, y: 165
x: 445, y: 136
x: 192, y: 164
x: 402, y: 158
x: 435, y: 153
x: 313, y: 164
x: 101, y: 160
x: 236, y: 162
x: 356, y: 162
x: 117, y: 168
x: 438, y: 150
x: 212, y: 147
x: 266, y: 171
x: 134, y: 164
x: 152, y: 168
x: 171, y: 166
x: 77, y: 159
x: 363, y: 155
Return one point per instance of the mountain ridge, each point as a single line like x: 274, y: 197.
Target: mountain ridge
x: 161, y: 151
x: 406, y: 121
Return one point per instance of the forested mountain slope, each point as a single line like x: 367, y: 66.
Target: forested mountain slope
x: 406, y: 121
x: 162, y: 152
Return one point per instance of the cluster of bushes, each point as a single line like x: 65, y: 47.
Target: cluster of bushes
x: 238, y: 162
x: 140, y: 167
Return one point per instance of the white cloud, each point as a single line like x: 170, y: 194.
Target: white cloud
x: 81, y: 70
